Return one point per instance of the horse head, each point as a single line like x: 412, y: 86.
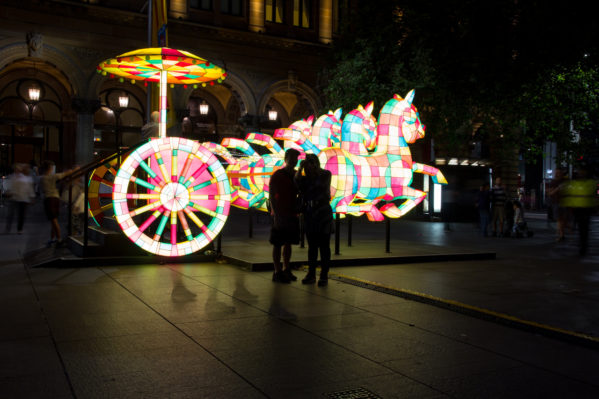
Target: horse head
x: 359, y: 126
x: 411, y: 127
x: 326, y: 131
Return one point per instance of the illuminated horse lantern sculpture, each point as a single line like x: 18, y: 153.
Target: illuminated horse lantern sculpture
x: 188, y: 191
x: 372, y: 163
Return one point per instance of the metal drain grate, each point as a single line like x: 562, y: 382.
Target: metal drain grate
x: 356, y: 393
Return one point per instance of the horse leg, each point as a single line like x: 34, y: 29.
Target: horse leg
x: 369, y: 208
x: 413, y: 198
x: 435, y: 173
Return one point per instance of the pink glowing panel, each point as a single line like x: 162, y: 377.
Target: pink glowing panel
x: 171, y: 196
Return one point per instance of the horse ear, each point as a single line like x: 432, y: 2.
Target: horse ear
x: 310, y: 119
x: 410, y: 97
x: 369, y: 107
x: 338, y: 112
x: 397, y: 97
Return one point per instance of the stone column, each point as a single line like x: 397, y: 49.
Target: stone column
x: 84, y: 147
x: 325, y: 31
x: 256, y: 15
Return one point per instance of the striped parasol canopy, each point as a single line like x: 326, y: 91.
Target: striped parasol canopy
x: 163, y: 65
x: 181, y: 67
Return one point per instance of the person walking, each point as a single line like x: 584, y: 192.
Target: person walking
x: 20, y: 186
x: 284, y: 215
x: 48, y: 180
x: 483, y: 203
x: 581, y: 196
x: 314, y: 184
x: 498, y: 198
x: 556, y: 194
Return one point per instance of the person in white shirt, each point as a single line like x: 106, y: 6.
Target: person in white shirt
x: 20, y: 189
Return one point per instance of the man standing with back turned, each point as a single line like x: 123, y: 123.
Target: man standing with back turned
x: 284, y: 215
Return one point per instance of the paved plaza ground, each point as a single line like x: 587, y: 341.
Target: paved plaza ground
x: 219, y: 330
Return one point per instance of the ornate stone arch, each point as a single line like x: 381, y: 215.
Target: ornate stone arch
x: 242, y: 92
x: 64, y: 60
x: 302, y: 90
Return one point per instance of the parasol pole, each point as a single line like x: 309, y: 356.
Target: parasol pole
x: 163, y: 86
x: 149, y: 88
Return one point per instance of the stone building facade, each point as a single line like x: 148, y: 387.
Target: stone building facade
x: 272, y: 52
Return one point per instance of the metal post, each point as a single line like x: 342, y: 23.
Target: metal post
x: 86, y: 218
x: 302, y: 231
x: 337, y: 228
x: 219, y: 245
x: 251, y: 222
x: 349, y: 230
x: 70, y: 212
x: 387, y: 235
x: 149, y: 88
x: 2, y: 192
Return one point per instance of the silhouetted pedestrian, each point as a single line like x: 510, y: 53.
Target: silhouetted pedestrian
x: 498, y: 198
x: 509, y: 217
x: 48, y: 180
x: 284, y: 214
x: 561, y: 214
x: 449, y: 203
x: 483, y: 204
x: 314, y: 185
x: 581, y: 196
x: 78, y: 206
x: 150, y: 129
x: 20, y: 190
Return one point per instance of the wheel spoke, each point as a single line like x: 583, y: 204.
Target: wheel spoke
x: 174, y: 165
x: 161, y: 225
x: 174, y: 228
x: 203, y: 209
x: 150, y: 220
x: 145, y: 208
x: 162, y: 168
x: 143, y: 196
x: 186, y: 167
x: 195, y: 175
x: 143, y: 183
x: 195, y: 219
x: 148, y: 170
x: 185, y: 225
x: 205, y: 197
x: 203, y: 185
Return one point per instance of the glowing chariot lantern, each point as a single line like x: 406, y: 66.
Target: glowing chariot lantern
x: 183, y: 188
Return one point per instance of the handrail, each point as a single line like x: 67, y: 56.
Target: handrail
x: 94, y: 164
x: 86, y: 171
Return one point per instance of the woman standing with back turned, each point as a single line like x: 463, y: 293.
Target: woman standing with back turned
x: 314, y: 184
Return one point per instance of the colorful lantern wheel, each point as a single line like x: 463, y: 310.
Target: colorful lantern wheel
x: 181, y: 194
x: 100, y: 184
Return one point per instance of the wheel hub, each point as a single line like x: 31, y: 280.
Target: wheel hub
x: 174, y: 197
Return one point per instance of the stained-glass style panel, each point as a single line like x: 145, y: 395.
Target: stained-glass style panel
x: 171, y: 196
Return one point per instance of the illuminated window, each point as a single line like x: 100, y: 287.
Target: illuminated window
x: 301, y: 13
x: 231, y: 7
x: 274, y: 11
x: 201, y: 4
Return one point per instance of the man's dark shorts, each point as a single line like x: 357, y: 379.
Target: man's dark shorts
x: 285, y: 230
x: 51, y: 207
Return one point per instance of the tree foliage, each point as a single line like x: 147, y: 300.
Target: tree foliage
x: 487, y: 63
x: 562, y: 107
